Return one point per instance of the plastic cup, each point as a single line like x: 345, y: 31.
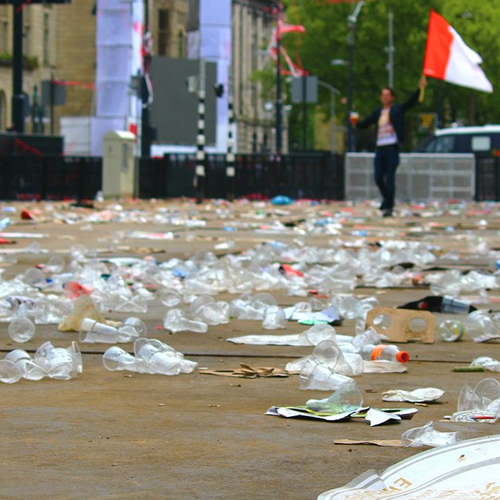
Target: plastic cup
x: 55, y: 264
x: 318, y: 376
x: 93, y: 331
x: 170, y: 298
x: 138, y: 325
x: 9, y: 372
x: 354, y: 118
x: 29, y: 369
x: 319, y: 333
x: 116, y: 359
x: 59, y: 362
x: 346, y: 398
x: 274, y: 318
x: 34, y: 277
x: 21, y: 329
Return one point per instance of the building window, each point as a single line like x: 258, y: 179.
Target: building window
x: 46, y: 40
x: 163, y: 32
x: 181, y: 43
x: 4, y: 36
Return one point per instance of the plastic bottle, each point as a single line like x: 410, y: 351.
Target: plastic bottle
x: 385, y: 352
x: 451, y: 330
x: 452, y: 305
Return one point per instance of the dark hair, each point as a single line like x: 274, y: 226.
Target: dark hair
x: 391, y: 90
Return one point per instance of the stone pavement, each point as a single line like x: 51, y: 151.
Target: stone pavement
x: 122, y: 435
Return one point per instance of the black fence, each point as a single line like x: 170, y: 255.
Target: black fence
x: 311, y: 175
x: 314, y: 175
x: 49, y: 177
x: 487, y: 179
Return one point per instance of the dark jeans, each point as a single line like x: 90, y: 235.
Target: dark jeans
x: 386, y: 164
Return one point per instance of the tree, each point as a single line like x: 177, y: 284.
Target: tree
x: 325, y: 39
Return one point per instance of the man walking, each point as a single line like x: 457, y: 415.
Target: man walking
x: 389, y: 120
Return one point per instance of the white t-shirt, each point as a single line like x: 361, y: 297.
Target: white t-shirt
x: 386, y: 134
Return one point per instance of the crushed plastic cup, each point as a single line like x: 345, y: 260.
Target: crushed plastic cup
x: 160, y: 358
x: 200, y: 302
x: 170, y: 298
x: 29, y: 369
x: 213, y: 313
x: 318, y: 333
x: 93, y: 331
x: 136, y: 304
x: 428, y: 436
x: 480, y: 403
x: 487, y: 363
x: 21, y: 329
x: 315, y: 375
x: 117, y: 359
x: 345, y: 399
x: 137, y: 324
x: 59, y: 362
x: 480, y: 326
x: 10, y: 373
x: 274, y: 318
x: 176, y: 321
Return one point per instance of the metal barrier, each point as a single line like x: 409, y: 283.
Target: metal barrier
x: 420, y: 177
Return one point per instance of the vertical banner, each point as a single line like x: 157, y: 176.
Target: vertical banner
x: 215, y: 46
x: 119, y: 57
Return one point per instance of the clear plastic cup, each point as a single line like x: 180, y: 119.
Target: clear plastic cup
x: 318, y: 376
x: 116, y: 359
x: 274, y: 318
x: 21, y: 329
x: 346, y: 398
x: 29, y: 369
x: 9, y: 372
x: 59, y: 362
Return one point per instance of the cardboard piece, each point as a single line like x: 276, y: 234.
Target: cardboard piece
x: 402, y: 325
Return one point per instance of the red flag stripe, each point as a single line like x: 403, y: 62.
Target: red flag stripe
x: 438, y: 48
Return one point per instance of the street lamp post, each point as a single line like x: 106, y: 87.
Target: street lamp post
x: 351, y: 23
x: 279, y: 117
x: 333, y: 91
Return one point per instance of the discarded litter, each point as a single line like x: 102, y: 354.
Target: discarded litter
x: 451, y: 330
x: 428, y: 436
x: 468, y: 469
x: 150, y: 356
x: 487, y: 363
x: 247, y: 371
x: 92, y: 331
x: 49, y: 361
x: 480, y: 403
x: 424, y: 395
x: 401, y: 325
x: 346, y: 398
x: 310, y: 337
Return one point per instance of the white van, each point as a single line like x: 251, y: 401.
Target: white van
x: 482, y: 141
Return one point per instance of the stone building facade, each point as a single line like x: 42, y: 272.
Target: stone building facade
x: 59, y: 41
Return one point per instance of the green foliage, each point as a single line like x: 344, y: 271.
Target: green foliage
x: 326, y: 38
x: 30, y: 63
